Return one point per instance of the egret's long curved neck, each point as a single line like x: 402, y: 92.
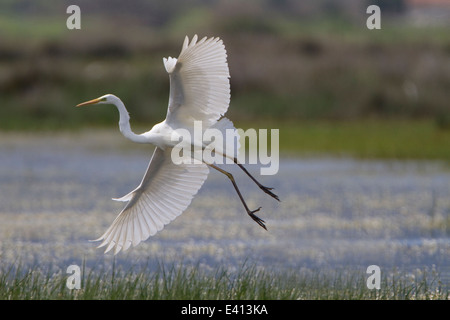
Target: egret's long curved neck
x: 124, y: 123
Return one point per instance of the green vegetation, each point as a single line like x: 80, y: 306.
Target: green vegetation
x: 320, y: 78
x: 388, y: 139
x: 331, y: 86
x: 247, y: 283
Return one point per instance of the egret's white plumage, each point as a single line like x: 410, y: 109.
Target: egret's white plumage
x: 164, y: 193
x: 199, y: 91
x: 199, y: 83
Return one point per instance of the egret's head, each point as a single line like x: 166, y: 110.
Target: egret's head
x: 106, y: 99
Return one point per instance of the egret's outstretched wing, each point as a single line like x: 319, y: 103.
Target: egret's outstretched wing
x: 199, y: 83
x: 164, y: 193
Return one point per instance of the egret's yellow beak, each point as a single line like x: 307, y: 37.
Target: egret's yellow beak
x: 93, y: 101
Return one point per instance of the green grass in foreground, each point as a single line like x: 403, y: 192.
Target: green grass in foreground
x: 247, y: 283
x: 384, y: 139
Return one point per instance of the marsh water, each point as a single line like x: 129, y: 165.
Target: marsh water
x: 56, y: 190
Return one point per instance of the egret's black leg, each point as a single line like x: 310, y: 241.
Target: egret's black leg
x: 263, y: 188
x: 249, y: 212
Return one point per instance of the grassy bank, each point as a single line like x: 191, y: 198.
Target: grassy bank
x: 289, y: 70
x: 376, y: 138
x: 246, y: 283
x: 399, y: 139
x: 317, y: 80
x: 393, y: 139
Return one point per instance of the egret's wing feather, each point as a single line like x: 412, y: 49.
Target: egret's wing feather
x: 164, y: 193
x: 199, y: 83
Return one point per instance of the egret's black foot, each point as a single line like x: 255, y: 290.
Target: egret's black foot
x: 270, y: 193
x: 257, y: 219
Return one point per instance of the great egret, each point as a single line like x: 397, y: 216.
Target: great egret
x: 199, y: 91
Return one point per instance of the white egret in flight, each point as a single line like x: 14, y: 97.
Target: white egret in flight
x: 199, y: 91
